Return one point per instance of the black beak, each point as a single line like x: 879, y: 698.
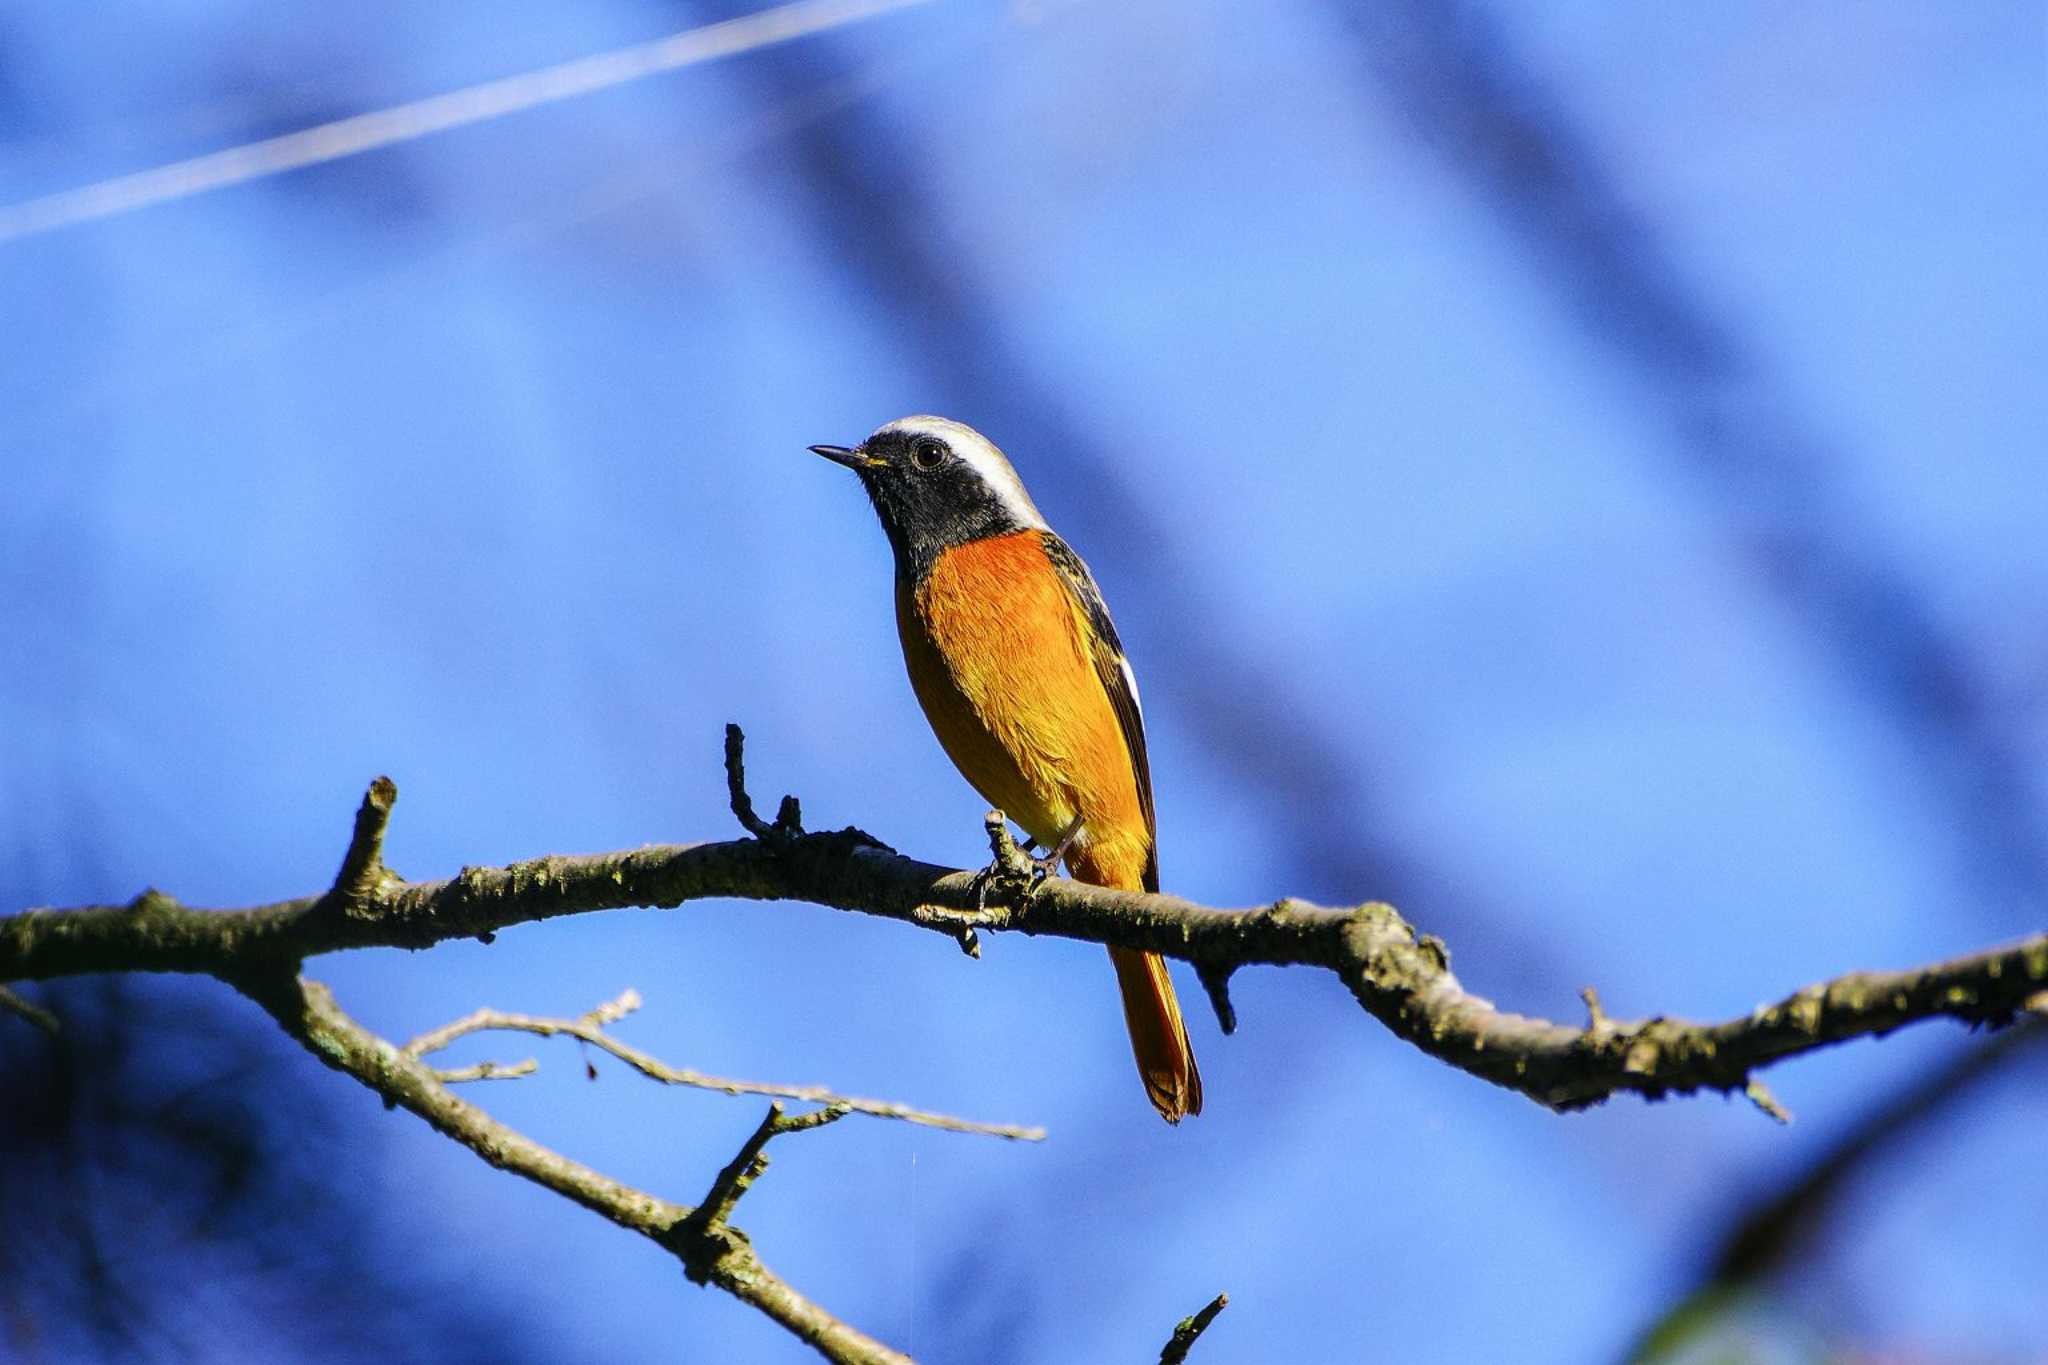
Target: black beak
x: 852, y: 459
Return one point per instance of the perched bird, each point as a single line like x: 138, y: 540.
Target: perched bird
x: 1012, y: 655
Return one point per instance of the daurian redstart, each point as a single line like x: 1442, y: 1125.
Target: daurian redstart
x: 1014, y: 659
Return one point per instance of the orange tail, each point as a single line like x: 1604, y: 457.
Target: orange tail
x: 1158, y: 1037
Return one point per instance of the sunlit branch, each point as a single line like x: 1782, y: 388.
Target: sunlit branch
x: 1400, y: 976
x: 1189, y: 1329
x: 710, y: 1250
x: 29, y: 1010
x: 1764, y: 1237
x: 589, y: 1028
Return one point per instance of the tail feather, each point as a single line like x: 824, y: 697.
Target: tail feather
x: 1159, y: 1038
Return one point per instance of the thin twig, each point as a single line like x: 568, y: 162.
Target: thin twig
x: 1759, y: 1094
x: 789, y: 821
x: 487, y: 1071
x: 1184, y: 1333
x: 1215, y: 979
x: 29, y: 1010
x: 1596, y: 1015
x: 610, y: 1012
x: 1400, y: 976
x: 362, y: 867
x: 744, y: 1169
x: 308, y: 1012
x: 959, y: 927
x: 736, y: 785
x: 588, y: 1029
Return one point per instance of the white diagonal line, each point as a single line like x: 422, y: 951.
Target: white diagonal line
x: 401, y: 123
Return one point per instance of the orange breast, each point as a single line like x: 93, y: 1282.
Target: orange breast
x: 998, y: 656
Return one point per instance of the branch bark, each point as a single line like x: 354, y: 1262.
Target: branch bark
x: 710, y: 1249
x: 1775, y: 1232
x: 589, y: 1028
x: 1188, y: 1329
x: 1401, y: 977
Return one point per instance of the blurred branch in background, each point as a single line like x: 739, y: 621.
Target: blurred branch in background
x: 1774, y: 481
x: 239, y: 1138
x: 29, y: 1010
x: 156, y: 1129
x: 1399, y: 976
x: 170, y: 1190
x: 710, y: 1249
x: 870, y: 200
x: 439, y: 113
x: 1772, y: 1234
x: 1279, y: 757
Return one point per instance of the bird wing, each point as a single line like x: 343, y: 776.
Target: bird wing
x: 1118, y: 682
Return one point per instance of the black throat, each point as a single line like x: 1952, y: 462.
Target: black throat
x: 935, y: 515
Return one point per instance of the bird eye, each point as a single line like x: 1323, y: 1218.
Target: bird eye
x: 929, y: 454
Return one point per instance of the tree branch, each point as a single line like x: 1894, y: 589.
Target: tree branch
x: 1184, y: 1333
x: 362, y: 867
x: 711, y: 1250
x: 702, y: 1229
x: 1400, y: 977
x: 487, y: 1071
x: 1770, y: 1234
x: 31, y: 1011
x: 589, y: 1029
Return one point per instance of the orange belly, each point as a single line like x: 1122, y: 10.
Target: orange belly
x: 997, y: 653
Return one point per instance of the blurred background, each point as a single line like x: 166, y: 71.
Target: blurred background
x: 1575, y: 471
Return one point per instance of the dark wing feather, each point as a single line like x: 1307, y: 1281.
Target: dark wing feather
x: 1115, y: 673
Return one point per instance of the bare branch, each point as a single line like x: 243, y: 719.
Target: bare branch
x: 958, y: 927
x: 1215, y: 978
x: 1184, y: 1333
x: 487, y: 1071
x: 29, y: 1010
x: 362, y: 867
x: 1770, y: 1233
x: 1596, y: 1014
x: 743, y: 1170
x: 1401, y: 977
x: 788, y: 818
x: 1759, y: 1094
x: 610, y: 1012
x: 1777, y: 477
x: 719, y: 1255
x: 587, y: 1028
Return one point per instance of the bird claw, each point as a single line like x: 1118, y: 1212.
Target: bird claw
x: 1012, y: 870
x: 1048, y: 863
x: 982, y: 881
x: 1013, y: 878
x: 1041, y: 868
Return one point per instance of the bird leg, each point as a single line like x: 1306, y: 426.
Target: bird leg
x: 1008, y: 865
x: 1049, y: 863
x: 1014, y: 870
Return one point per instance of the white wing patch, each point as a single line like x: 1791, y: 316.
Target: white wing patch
x: 1131, y: 681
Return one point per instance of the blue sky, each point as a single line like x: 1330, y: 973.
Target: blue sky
x: 1456, y: 567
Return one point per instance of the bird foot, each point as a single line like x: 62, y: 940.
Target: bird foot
x: 1014, y: 872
